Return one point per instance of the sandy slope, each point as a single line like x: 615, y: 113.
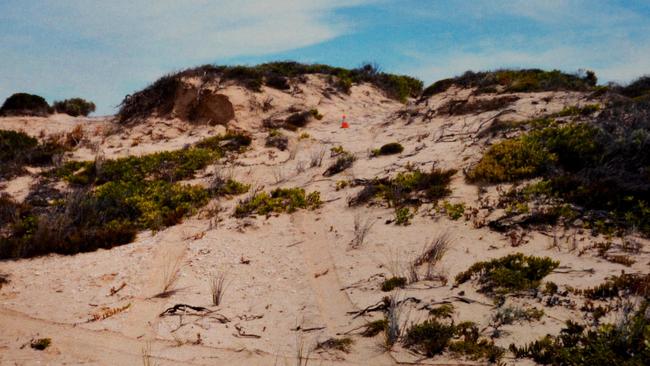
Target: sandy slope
x: 292, y: 279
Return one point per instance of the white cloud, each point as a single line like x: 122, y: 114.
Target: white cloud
x: 97, y: 49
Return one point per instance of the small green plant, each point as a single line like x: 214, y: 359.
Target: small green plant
x: 314, y: 112
x: 392, y: 283
x: 403, y: 216
x: 279, y: 200
x: 41, y: 343
x: 389, y: 149
x: 445, y: 311
x: 573, y: 111
x: 514, y: 272
x: 337, y: 150
x: 429, y: 338
x: 304, y: 136
x: 454, y: 210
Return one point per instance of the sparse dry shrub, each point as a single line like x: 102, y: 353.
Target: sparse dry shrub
x: 433, y: 252
x: 362, y: 227
x: 218, y: 286
x: 316, y: 157
x: 343, y: 162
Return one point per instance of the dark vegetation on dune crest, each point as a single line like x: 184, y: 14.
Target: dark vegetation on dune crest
x: 112, y: 200
x: 514, y: 81
x: 279, y: 75
x: 74, y: 107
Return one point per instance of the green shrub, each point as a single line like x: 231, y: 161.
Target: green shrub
x: 514, y: 272
x: 392, y: 283
x: 625, y: 343
x: 389, y: 149
x: 74, y: 107
x: 454, y: 210
x: 434, y: 336
x: 23, y: 104
x: 403, y: 216
x: 429, y: 338
x: 280, y: 200
x: 579, y: 111
x: 445, y: 311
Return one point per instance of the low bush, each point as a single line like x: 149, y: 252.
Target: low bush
x: 279, y: 200
x: 23, y: 104
x: 622, y: 286
x: 625, y: 343
x: 434, y: 336
x: 74, y: 107
x: 339, y: 344
x: 407, y: 188
x: 40, y: 344
x: 389, y: 149
x: 392, y: 283
x: 514, y: 272
x: 18, y: 149
x: 343, y: 162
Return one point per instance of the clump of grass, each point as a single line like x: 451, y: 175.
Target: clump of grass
x: 434, y: 250
x: 361, y: 229
x: 343, y: 162
x: 40, y: 344
x: 217, y: 287
x: 339, y: 344
x: 389, y: 149
x: 392, y: 283
x: 280, y: 200
x: 430, y: 337
x: 625, y: 343
x: 374, y: 327
x: 514, y: 272
x: 403, y: 216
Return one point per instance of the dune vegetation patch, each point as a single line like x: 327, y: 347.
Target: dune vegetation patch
x: 623, y: 343
x: 18, y: 150
x: 410, y: 187
x: 112, y: 200
x: 512, y: 273
x: 74, y: 107
x: 390, y: 148
x: 279, y: 200
x: 440, y: 334
x: 515, y: 81
x: 599, y: 167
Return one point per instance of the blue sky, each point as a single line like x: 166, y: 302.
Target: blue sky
x: 103, y: 50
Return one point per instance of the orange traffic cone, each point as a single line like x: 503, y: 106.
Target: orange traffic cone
x: 344, y: 124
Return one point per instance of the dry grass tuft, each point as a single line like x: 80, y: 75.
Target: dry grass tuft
x: 218, y: 286
x: 361, y: 229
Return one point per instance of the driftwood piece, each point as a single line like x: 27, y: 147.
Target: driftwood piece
x: 381, y: 305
